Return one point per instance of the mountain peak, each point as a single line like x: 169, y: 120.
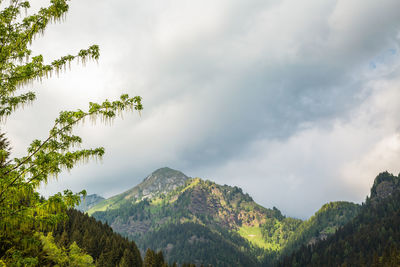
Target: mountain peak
x: 165, y: 172
x: 160, y: 181
x: 384, y: 185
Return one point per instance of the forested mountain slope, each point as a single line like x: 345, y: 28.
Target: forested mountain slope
x: 190, y: 219
x: 208, y: 214
x: 322, y: 224
x: 372, y: 238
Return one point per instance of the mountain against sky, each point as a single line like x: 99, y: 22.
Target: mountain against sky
x: 326, y: 221
x: 159, y: 182
x: 89, y: 201
x: 190, y: 219
x: 372, y: 238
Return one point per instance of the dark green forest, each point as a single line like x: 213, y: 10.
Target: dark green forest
x: 190, y: 241
x: 106, y: 247
x: 98, y: 240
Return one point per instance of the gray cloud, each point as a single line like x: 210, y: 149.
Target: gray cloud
x: 239, y: 92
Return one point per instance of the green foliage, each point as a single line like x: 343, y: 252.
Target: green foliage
x: 54, y: 253
x: 22, y: 210
x: 17, y: 65
x: 74, y: 256
x: 255, y: 236
x: 78, y: 258
x: 278, y: 231
x: 4, y: 150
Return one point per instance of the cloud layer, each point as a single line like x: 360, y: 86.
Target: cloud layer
x: 296, y: 102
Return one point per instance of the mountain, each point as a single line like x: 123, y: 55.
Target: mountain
x: 384, y: 185
x: 159, y: 182
x: 372, y: 238
x: 325, y: 222
x: 191, y: 219
x: 89, y: 201
x: 168, y: 201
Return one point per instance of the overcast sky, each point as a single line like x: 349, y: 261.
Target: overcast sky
x: 297, y: 102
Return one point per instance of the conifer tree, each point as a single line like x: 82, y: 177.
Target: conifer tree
x: 22, y: 211
x: 159, y: 259
x: 149, y: 258
x: 128, y: 259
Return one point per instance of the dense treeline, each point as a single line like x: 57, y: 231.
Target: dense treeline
x: 102, y: 244
x: 97, y: 239
x: 371, y: 239
x: 191, y: 242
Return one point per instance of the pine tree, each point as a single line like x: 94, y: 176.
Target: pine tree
x: 64, y: 239
x: 128, y: 259
x: 149, y: 258
x: 159, y: 259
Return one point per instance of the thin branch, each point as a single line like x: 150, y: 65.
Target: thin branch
x: 15, y: 180
x: 40, y: 147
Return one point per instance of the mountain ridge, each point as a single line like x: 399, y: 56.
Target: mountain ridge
x: 158, y: 182
x: 202, y: 209
x: 372, y: 238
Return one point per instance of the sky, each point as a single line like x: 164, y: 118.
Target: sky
x: 296, y: 102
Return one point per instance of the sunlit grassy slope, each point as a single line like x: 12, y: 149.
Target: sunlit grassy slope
x: 254, y: 235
